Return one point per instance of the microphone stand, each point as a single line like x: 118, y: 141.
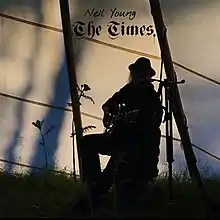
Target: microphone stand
x: 169, y: 87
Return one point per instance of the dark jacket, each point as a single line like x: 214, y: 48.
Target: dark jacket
x: 142, y: 97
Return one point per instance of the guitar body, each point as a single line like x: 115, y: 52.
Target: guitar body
x: 118, y: 122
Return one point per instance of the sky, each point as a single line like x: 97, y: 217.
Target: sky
x: 32, y: 64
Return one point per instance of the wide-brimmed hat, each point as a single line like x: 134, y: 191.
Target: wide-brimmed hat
x: 142, y: 66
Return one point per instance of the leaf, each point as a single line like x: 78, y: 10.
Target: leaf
x: 89, y: 98
x: 89, y: 127
x: 38, y: 122
x: 78, y: 87
x: 42, y: 122
x: 33, y: 123
x: 37, y: 125
x: 85, y: 129
x: 86, y: 87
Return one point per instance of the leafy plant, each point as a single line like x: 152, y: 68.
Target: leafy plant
x: 81, y: 90
x: 39, y: 125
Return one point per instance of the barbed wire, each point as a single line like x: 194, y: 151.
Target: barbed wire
x: 32, y: 167
x: 46, y: 105
x: 89, y: 115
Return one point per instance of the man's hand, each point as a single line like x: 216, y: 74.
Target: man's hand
x: 106, y: 120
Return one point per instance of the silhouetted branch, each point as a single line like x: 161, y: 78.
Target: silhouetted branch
x: 89, y: 98
x: 82, y: 89
x: 85, y: 129
x: 39, y: 125
x: 49, y: 130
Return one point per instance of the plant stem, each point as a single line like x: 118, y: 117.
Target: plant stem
x: 74, y: 161
x: 45, y: 150
x: 80, y: 95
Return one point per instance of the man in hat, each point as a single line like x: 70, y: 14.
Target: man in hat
x: 134, y: 140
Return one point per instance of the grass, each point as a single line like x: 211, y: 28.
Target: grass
x: 46, y: 194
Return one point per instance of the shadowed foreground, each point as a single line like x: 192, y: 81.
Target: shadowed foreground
x: 47, y: 194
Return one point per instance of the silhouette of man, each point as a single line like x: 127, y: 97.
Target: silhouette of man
x: 138, y: 142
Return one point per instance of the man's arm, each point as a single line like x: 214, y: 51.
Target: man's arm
x: 111, y: 104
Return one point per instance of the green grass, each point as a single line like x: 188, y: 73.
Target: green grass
x: 47, y: 194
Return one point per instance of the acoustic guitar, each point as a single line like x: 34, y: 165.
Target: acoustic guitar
x: 121, y: 115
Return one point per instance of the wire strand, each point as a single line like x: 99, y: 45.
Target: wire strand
x: 139, y: 53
